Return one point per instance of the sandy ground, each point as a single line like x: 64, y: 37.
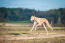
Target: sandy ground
x: 8, y: 24
x: 31, y: 36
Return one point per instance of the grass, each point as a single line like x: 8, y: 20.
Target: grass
x: 26, y: 31
x: 45, y: 40
x: 18, y: 22
x: 3, y: 32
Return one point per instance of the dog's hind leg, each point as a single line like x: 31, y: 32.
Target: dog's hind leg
x: 47, y: 23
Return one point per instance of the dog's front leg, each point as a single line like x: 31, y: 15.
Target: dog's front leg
x: 33, y: 25
x: 45, y: 28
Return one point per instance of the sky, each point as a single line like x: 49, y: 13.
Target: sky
x: 42, y: 5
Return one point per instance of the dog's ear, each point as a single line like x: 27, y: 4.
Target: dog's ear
x: 32, y: 16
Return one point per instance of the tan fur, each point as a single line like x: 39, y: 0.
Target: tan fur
x: 39, y: 22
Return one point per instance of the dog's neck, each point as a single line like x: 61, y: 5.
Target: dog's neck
x: 35, y: 18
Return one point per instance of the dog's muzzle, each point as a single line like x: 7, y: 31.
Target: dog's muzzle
x: 32, y: 20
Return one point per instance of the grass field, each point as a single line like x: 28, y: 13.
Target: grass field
x: 17, y: 22
x: 19, y: 29
x: 22, y: 34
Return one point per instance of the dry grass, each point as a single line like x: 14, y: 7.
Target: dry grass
x: 25, y: 31
x: 45, y: 40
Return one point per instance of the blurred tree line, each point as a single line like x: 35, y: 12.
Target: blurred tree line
x: 21, y: 14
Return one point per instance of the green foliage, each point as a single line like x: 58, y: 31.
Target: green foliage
x: 23, y: 14
x: 19, y: 22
